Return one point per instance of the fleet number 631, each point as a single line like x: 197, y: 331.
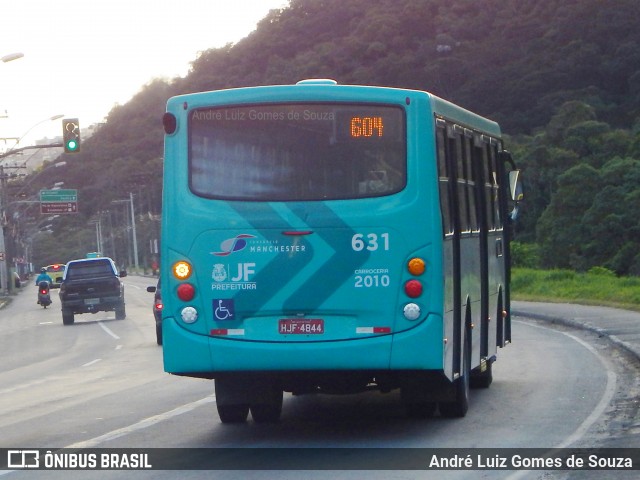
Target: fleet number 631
x: 370, y: 241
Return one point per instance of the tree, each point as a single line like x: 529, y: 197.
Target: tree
x: 560, y: 230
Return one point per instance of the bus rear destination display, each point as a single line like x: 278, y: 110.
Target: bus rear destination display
x: 347, y: 121
x: 297, y: 151
x: 366, y: 127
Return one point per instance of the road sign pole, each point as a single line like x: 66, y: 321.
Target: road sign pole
x: 4, y: 277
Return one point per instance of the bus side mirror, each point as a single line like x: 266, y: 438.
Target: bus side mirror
x: 517, y: 193
x: 515, y: 178
x: 515, y: 186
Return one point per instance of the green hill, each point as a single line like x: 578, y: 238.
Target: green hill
x: 523, y: 63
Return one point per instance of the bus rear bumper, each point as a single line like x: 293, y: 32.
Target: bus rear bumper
x: 186, y: 353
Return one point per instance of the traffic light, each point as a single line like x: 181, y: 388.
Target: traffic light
x: 71, y: 135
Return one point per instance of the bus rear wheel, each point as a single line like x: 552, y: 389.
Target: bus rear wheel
x: 482, y: 379
x: 420, y: 409
x: 267, y: 412
x: 233, y: 413
x: 458, y: 407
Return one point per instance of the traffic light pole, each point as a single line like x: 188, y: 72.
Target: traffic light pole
x: 31, y: 147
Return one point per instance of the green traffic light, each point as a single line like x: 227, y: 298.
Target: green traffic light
x: 71, y: 135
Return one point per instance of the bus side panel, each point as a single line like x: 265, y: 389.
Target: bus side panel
x: 447, y: 261
x: 427, y: 340
x: 495, y: 258
x: 471, y: 293
x: 184, y: 351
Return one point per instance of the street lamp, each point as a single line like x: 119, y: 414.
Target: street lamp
x: 49, y: 119
x: 12, y: 56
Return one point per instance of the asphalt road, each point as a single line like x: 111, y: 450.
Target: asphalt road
x: 100, y: 383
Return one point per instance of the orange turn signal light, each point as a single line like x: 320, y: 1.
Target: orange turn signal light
x: 182, y: 270
x: 416, y: 266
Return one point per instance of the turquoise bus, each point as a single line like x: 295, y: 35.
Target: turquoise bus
x: 325, y: 238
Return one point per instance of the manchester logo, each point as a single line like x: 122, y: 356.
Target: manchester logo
x: 231, y: 245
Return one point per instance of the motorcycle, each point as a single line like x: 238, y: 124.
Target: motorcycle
x: 44, y: 298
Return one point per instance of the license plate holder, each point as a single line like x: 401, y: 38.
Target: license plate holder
x: 298, y: 326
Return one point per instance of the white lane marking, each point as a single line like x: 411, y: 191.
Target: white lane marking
x: 106, y: 329
x: 46, y: 323
x: 142, y: 424
x: 605, y: 400
x: 118, y: 347
x: 29, y: 384
x: 92, y: 362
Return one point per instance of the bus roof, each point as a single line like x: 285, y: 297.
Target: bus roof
x: 329, y: 90
x: 463, y: 116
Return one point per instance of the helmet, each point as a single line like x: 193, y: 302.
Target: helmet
x: 43, y: 270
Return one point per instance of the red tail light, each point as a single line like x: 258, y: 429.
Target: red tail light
x: 186, y: 292
x: 413, y: 288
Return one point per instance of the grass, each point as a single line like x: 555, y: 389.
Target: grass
x: 598, y: 287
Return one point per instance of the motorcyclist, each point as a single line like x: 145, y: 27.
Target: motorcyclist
x: 43, y: 277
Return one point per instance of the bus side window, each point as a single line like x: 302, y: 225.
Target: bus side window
x: 443, y: 181
x: 470, y: 181
x: 493, y: 156
x: 488, y: 180
x: 457, y: 147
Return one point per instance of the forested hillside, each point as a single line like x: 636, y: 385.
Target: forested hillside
x: 561, y: 76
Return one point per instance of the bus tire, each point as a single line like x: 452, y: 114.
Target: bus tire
x: 233, y: 413
x: 458, y: 407
x: 267, y: 412
x: 420, y: 409
x: 67, y: 317
x: 481, y: 379
x: 500, y: 324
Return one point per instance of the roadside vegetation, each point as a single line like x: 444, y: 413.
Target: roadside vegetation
x: 595, y: 286
x: 598, y: 286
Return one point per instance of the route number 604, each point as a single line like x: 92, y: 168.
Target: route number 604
x: 370, y: 241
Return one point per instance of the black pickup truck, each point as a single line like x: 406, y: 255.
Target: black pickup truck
x: 91, y: 285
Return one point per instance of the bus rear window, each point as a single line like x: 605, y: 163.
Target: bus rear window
x: 293, y: 152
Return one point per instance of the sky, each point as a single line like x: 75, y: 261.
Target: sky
x: 82, y: 57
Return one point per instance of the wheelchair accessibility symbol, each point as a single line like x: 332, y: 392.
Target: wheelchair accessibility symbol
x: 223, y: 309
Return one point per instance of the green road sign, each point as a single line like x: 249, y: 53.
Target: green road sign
x: 58, y: 201
x: 67, y: 195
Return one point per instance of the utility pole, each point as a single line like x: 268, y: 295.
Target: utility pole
x: 131, y: 211
x: 133, y: 229
x: 4, y: 276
